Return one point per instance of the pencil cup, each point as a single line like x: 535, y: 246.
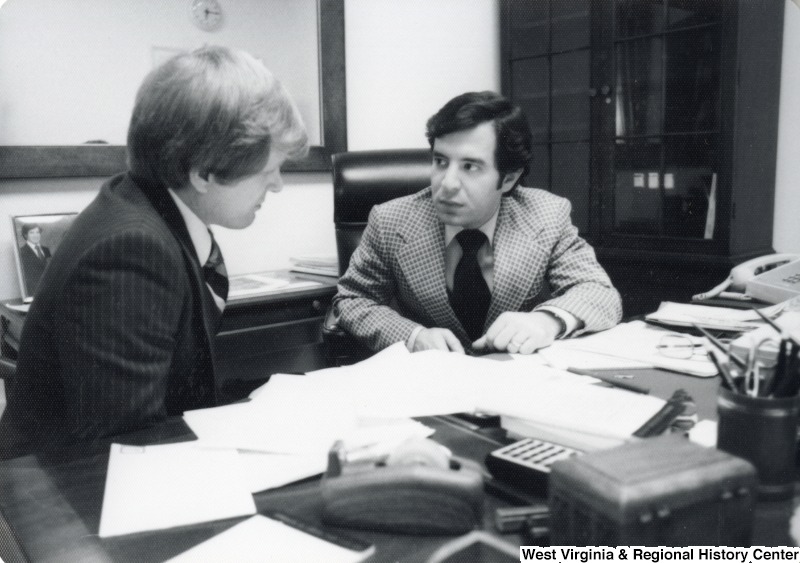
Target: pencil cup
x: 763, y: 431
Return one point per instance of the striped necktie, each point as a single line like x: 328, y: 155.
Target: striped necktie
x: 215, y: 274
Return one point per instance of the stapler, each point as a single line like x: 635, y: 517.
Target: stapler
x: 416, y: 489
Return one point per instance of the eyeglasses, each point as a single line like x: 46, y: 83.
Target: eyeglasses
x: 679, y: 347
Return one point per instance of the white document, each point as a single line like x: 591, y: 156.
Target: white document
x: 261, y: 539
x: 290, y: 416
x: 157, y: 487
x: 253, y: 284
x: 635, y: 341
x: 519, y: 428
x: 704, y: 433
x: 590, y: 409
x: 562, y: 358
x: 717, y: 318
x: 263, y: 471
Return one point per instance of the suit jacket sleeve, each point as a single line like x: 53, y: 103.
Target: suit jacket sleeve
x: 578, y: 283
x: 367, y: 290
x: 116, y: 353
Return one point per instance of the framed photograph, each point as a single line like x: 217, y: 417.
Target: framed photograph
x: 37, y: 238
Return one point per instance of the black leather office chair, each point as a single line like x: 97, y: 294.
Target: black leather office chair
x: 362, y: 179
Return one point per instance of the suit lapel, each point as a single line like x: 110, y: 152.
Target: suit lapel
x: 421, y: 260
x: 166, y: 208
x: 517, y: 258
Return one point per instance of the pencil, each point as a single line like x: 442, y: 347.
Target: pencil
x: 727, y: 379
x: 784, y: 334
x: 722, y: 348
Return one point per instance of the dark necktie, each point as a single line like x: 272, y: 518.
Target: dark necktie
x: 470, y: 298
x: 215, y: 273
x: 39, y: 252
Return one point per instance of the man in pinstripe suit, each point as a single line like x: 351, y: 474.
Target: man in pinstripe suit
x: 120, y: 334
x: 535, y: 279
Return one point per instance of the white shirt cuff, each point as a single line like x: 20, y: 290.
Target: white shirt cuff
x: 412, y: 338
x: 569, y: 320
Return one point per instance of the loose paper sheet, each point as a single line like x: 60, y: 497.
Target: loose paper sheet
x: 261, y: 539
x: 157, y: 487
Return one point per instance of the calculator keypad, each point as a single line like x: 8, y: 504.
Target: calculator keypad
x: 535, y: 454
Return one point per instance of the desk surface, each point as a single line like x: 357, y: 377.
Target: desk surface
x: 52, y: 506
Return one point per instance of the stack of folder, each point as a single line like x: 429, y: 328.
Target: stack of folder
x: 317, y: 265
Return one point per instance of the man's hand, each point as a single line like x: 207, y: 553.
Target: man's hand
x: 437, y: 339
x: 519, y: 333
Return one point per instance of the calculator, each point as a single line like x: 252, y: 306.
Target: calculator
x: 526, y: 464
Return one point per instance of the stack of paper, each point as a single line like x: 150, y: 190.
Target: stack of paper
x: 629, y: 342
x: 249, y: 285
x: 318, y: 265
x: 396, y: 383
x: 716, y: 318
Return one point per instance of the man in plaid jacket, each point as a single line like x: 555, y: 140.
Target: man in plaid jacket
x: 534, y: 279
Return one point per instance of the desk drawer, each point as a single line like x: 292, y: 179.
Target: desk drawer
x: 238, y: 316
x: 262, y: 340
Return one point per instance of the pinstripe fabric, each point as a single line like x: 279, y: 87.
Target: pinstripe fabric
x: 396, y: 277
x: 119, y: 334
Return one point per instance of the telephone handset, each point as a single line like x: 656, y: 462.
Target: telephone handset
x: 748, y: 278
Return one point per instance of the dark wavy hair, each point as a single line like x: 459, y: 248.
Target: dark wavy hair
x: 215, y: 109
x: 28, y: 227
x: 513, y: 149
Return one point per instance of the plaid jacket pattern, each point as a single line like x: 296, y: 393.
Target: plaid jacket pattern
x: 396, y: 277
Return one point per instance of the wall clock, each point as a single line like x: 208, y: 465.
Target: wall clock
x: 206, y: 14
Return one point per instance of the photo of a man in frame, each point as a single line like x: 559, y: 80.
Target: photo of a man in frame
x: 37, y: 239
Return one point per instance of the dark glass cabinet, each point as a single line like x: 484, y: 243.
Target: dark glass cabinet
x: 658, y: 120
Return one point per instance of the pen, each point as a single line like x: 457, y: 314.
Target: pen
x: 722, y: 348
x: 611, y: 380
x: 692, y: 345
x: 776, y: 326
x: 727, y: 379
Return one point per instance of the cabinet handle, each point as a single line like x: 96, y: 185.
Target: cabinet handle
x: 605, y: 90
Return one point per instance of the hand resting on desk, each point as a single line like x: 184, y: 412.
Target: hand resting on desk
x: 513, y: 332
x: 437, y: 339
x: 519, y: 333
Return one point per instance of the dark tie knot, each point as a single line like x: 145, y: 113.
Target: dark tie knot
x: 471, y: 240
x: 214, y: 271
x: 215, y: 258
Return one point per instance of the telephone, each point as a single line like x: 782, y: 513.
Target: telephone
x: 772, y: 278
x: 419, y: 488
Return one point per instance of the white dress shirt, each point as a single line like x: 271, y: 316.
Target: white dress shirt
x: 201, y: 238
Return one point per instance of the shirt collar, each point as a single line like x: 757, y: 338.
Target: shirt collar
x: 198, y: 231
x: 487, y: 228
x: 29, y: 243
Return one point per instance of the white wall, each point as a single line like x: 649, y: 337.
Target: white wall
x: 786, y: 232
x: 75, y: 65
x: 404, y: 60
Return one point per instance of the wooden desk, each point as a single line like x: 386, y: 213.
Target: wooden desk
x: 53, y: 506
x: 277, y: 332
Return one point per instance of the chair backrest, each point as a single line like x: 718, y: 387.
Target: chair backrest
x: 362, y: 179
